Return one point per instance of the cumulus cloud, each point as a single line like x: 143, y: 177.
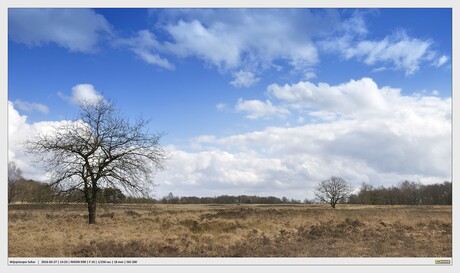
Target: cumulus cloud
x: 352, y: 98
x: 256, y: 109
x: 354, y: 130
x: 19, y: 130
x: 31, y: 106
x: 83, y: 94
x: 216, y: 172
x: 358, y: 99
x: 78, y: 30
x: 289, y: 162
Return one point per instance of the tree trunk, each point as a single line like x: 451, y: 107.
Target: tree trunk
x: 92, y: 212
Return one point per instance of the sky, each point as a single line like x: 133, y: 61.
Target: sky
x: 252, y: 101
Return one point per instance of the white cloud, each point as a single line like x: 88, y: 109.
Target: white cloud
x: 323, y: 115
x: 441, y: 60
x: 78, y: 30
x: 256, y: 109
x: 355, y: 25
x: 414, y: 144
x: 216, y: 172
x: 379, y: 69
x: 351, y: 98
x: 153, y: 59
x: 310, y: 75
x: 19, y: 130
x: 355, y: 130
x: 364, y: 100
x: 400, y: 50
x: 232, y: 40
x: 146, y: 47
x: 31, y: 106
x: 405, y: 54
x: 244, y: 79
x: 215, y: 45
x: 83, y: 94
x: 361, y: 150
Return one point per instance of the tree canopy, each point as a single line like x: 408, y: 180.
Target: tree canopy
x: 333, y: 191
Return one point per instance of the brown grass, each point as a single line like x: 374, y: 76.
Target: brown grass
x: 230, y: 231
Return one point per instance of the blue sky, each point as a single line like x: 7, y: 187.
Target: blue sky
x: 253, y: 101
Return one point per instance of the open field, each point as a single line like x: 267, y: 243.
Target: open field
x: 230, y: 231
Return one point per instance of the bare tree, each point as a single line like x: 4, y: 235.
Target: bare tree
x: 14, y: 175
x: 333, y: 190
x: 101, y: 149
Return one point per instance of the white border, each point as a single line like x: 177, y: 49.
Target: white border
x: 320, y: 261
x: 227, y: 264
x: 232, y: 3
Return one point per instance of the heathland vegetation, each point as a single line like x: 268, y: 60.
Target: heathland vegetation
x: 184, y: 230
x: 44, y: 222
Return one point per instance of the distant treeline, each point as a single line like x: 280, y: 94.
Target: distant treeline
x: 229, y: 199
x: 30, y: 191
x: 405, y: 193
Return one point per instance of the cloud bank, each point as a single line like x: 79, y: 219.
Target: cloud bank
x: 355, y: 130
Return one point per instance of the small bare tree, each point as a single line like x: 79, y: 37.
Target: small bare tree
x: 101, y: 149
x: 333, y: 191
x: 14, y: 175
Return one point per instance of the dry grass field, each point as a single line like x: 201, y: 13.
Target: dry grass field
x: 230, y: 231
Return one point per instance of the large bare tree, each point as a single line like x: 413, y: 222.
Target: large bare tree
x: 103, y: 148
x: 333, y: 191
